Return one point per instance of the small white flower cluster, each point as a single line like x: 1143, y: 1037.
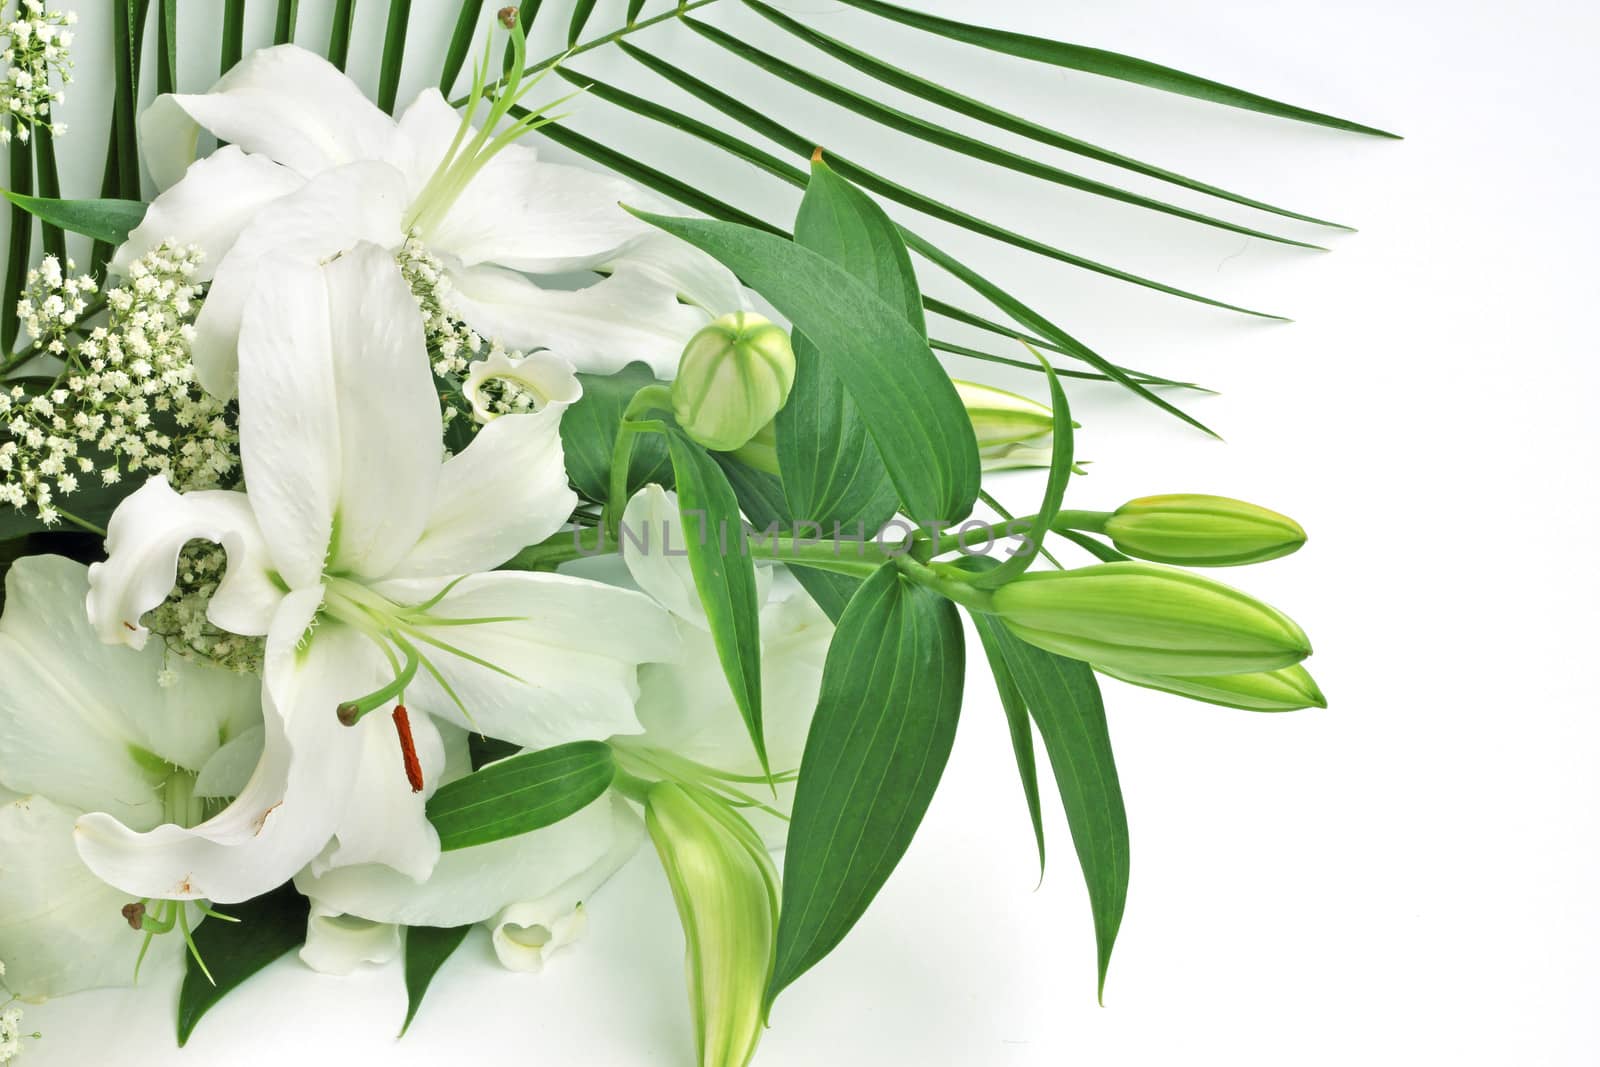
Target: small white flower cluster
x: 11, y: 1034
x: 126, y: 399
x: 452, y: 344
x: 181, y: 620
x: 35, y: 51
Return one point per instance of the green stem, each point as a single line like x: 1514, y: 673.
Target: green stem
x: 84, y: 524
x: 948, y: 583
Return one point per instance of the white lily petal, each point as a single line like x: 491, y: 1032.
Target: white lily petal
x: 506, y: 491
x: 690, y: 273
x: 655, y: 548
x: 286, y: 103
x: 61, y: 928
x: 566, y: 657
x: 88, y: 724
x: 526, y: 935
x: 209, y: 207
x: 337, y: 943
x: 544, y: 218
x: 545, y: 376
x: 383, y: 822
x: 473, y: 884
x: 146, y: 534
x: 333, y: 212
x: 228, y: 770
x: 601, y: 328
x: 168, y: 140
x: 290, y: 806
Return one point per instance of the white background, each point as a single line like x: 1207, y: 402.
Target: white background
x: 1407, y: 877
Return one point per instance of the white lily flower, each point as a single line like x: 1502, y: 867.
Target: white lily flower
x: 367, y: 563
x: 312, y: 168
x: 88, y: 727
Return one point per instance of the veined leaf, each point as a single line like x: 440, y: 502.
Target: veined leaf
x: 1065, y: 701
x: 885, y: 723
x: 394, y: 53
x: 761, y: 499
x: 344, y: 17
x: 945, y: 97
x: 520, y: 794
x: 104, y: 220
x: 455, y: 54
x: 427, y: 948
x: 268, y: 927
x: 1107, y: 64
x: 760, y: 122
x: 589, y: 430
x: 895, y: 119
x: 912, y: 411
x: 724, y: 575
x: 832, y: 470
x: 1017, y: 721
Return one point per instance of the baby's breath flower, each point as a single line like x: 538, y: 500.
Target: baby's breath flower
x: 33, y: 47
x: 181, y: 619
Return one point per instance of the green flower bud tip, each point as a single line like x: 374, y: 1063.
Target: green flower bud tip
x: 1285, y: 689
x: 1194, y: 530
x: 726, y: 888
x: 761, y: 451
x: 1147, y: 619
x: 734, y: 376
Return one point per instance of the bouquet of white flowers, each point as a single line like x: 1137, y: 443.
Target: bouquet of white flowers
x: 399, y: 528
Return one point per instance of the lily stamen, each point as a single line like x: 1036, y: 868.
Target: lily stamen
x: 408, y: 748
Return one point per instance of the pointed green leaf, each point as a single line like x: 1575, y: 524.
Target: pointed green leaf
x: 589, y: 430
x: 911, y: 409
x: 394, y: 53
x: 44, y: 158
x: 945, y: 97
x: 987, y: 152
x: 634, y: 7
x: 283, y: 25
x: 581, y: 10
x: 104, y: 220
x: 520, y: 794
x: 1107, y: 64
x: 166, y: 47
x: 455, y: 53
x: 1065, y: 701
x: 763, y: 124
x: 884, y: 726
x: 427, y: 947
x: 1020, y: 726
x: 344, y: 17
x: 20, y: 245
x: 724, y: 574
x: 232, y: 36
x: 269, y: 926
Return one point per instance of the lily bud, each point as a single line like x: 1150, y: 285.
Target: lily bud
x: 733, y: 378
x: 1147, y: 619
x: 1194, y: 530
x: 1013, y: 432
x: 1285, y: 689
x: 761, y: 451
x: 726, y: 888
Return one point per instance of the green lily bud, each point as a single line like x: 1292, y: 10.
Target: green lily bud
x: 1147, y: 619
x: 733, y: 377
x: 1013, y: 432
x: 1285, y: 689
x: 726, y: 888
x: 761, y: 451
x: 1195, y: 530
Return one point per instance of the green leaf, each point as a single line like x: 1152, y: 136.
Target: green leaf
x: 283, y: 26
x: 1020, y: 726
x: 1065, y: 701
x: 832, y: 471
x: 762, y: 123
x: 761, y: 499
x: 985, y: 151
x: 427, y: 947
x: 724, y: 574
x: 634, y: 7
x: 44, y: 158
x: 1107, y: 64
x: 20, y: 245
x: 581, y: 10
x: 884, y: 726
x: 268, y: 926
x: 911, y: 409
x: 589, y: 430
x: 520, y: 794
x: 394, y: 53
x: 934, y: 92
x: 104, y: 220
x: 344, y: 17
x: 1055, y: 488
x: 232, y: 36
x: 1099, y: 549
x: 482, y: 749
x: 455, y: 55
x: 166, y: 46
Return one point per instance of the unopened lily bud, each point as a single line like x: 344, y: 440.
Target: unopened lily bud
x: 761, y: 451
x: 1148, y: 619
x: 733, y: 378
x: 726, y: 888
x: 1195, y: 530
x: 1285, y: 689
x: 1002, y: 418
